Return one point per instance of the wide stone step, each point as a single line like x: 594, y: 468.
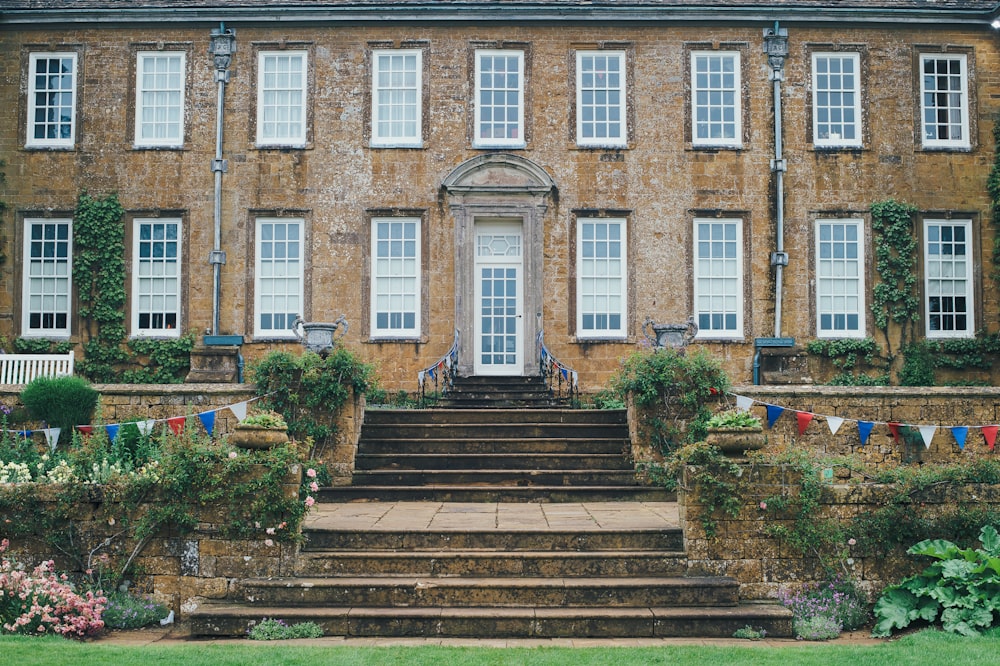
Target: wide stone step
x: 511, y: 540
x: 699, y: 622
x: 473, y: 431
x: 469, y: 591
x: 492, y: 461
x: 493, y: 493
x: 511, y: 477
x: 489, y: 564
x: 495, y: 416
x: 482, y: 444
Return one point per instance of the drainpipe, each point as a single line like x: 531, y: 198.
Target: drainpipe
x: 222, y: 46
x: 776, y: 48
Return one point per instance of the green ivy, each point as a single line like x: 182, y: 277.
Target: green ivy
x: 3, y: 209
x: 99, y: 275
x: 893, y: 297
x: 993, y: 187
x: 167, y: 360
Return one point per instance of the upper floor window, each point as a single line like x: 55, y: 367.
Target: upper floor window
x: 156, y: 277
x: 601, y: 279
x: 159, y: 99
x: 278, y: 277
x: 395, y: 280
x: 948, y: 287
x: 718, y: 278
x: 836, y: 100
x: 839, y: 279
x: 51, y: 100
x: 600, y: 98
x: 396, y: 97
x: 944, y: 101
x: 499, y: 103
x: 716, y: 118
x: 281, y: 98
x: 47, y: 284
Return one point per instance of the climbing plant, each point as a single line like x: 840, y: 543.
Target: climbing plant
x: 99, y: 274
x: 893, y: 298
x: 3, y: 208
x: 993, y: 187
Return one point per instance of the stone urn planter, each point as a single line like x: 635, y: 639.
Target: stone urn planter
x: 248, y: 436
x: 735, y: 442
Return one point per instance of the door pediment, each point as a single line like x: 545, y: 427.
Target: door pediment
x: 498, y: 173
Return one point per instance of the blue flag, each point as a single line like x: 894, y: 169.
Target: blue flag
x: 960, y: 433
x: 865, y: 429
x: 208, y: 420
x: 773, y: 412
x: 112, y: 431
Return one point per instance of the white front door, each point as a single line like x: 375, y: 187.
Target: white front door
x: 499, y: 334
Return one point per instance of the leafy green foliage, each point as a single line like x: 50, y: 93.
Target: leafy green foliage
x: 962, y: 588
x: 993, y: 187
x: 124, y: 610
x: 719, y: 480
x: 893, y: 297
x: 99, y: 276
x: 167, y: 361
x: 270, y: 629
x: 734, y: 418
x: 61, y: 402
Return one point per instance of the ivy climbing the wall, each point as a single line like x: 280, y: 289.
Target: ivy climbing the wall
x: 893, y: 298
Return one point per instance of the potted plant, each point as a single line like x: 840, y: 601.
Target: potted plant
x: 735, y: 431
x: 262, y: 430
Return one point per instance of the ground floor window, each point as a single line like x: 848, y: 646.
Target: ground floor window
x: 601, y: 278
x: 718, y: 277
x: 47, y: 281
x: 277, y: 276
x: 948, y: 284
x: 156, y: 277
x: 395, y: 284
x: 839, y: 278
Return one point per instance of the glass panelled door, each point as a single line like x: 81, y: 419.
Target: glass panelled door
x: 498, y: 276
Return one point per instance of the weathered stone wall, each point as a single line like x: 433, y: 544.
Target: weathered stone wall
x: 659, y: 182
x: 764, y: 565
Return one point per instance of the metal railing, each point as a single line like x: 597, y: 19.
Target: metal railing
x: 557, y: 375
x: 442, y: 373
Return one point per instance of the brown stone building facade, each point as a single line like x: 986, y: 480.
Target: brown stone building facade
x: 500, y: 172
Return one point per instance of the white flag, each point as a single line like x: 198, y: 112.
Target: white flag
x: 240, y: 410
x: 52, y: 437
x: 927, y: 432
x: 743, y: 402
x: 834, y: 422
x: 145, y: 427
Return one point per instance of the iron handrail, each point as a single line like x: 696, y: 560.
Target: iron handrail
x: 556, y: 373
x: 443, y: 370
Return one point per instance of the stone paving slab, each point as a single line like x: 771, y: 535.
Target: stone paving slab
x: 478, y: 516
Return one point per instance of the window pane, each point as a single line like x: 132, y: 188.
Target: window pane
x: 601, y: 280
x: 716, y: 98
x: 718, y: 282
x: 839, y: 281
x: 395, y: 279
x: 600, y: 98
x: 47, y: 285
x: 278, y: 276
x: 159, y: 98
x: 281, y: 98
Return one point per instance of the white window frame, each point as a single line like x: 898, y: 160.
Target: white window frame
x: 142, y: 58
x: 27, y: 278
x: 733, y: 281
x: 297, y: 140
x: 597, y: 107
x: 44, y: 142
x: 601, y: 270
x: 736, y: 90
x: 259, y: 277
x: 140, y: 280
x: 827, y: 278
x: 836, y: 141
x: 969, y: 294
x: 963, y: 92
x: 505, y: 142
x: 394, y: 87
x: 390, y: 271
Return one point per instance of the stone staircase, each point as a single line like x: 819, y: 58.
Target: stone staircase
x: 515, y: 522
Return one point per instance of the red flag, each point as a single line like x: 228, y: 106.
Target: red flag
x: 894, y: 429
x: 86, y: 430
x: 176, y: 424
x: 803, y: 418
x: 990, y: 433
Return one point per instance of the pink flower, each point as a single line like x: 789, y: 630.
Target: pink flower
x: 852, y: 542
x: 309, y: 500
x: 268, y: 542
x: 763, y: 505
x: 270, y: 530
x: 314, y: 486
x: 311, y: 473
x: 283, y: 525
x: 232, y: 454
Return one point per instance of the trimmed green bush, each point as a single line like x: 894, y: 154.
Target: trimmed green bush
x: 61, y: 402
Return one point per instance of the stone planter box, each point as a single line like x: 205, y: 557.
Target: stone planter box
x: 257, y: 437
x: 735, y: 442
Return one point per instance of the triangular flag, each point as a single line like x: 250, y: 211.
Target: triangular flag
x: 112, y: 429
x: 865, y: 429
x: 52, y: 437
x: 176, y: 424
x: 990, y: 434
x: 744, y: 403
x: 208, y: 420
x: 25, y: 433
x: 834, y: 422
x: 145, y: 427
x: 927, y: 432
x: 86, y: 430
x: 240, y: 408
x: 804, y: 418
x: 960, y: 433
x: 894, y: 429
x: 773, y: 412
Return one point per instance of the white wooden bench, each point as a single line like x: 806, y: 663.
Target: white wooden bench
x: 22, y: 368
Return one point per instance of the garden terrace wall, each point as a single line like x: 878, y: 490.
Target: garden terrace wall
x: 178, y: 569
x: 123, y: 402
x: 930, y: 405
x: 764, y: 565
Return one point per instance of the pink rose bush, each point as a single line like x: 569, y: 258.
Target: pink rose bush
x: 41, y: 602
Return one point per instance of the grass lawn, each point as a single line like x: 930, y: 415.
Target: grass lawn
x: 925, y: 647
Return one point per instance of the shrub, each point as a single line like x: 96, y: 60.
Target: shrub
x: 277, y: 630
x: 61, y: 402
x: 817, y: 628
x: 127, y: 611
x: 734, y: 418
x: 817, y: 609
x: 750, y: 633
